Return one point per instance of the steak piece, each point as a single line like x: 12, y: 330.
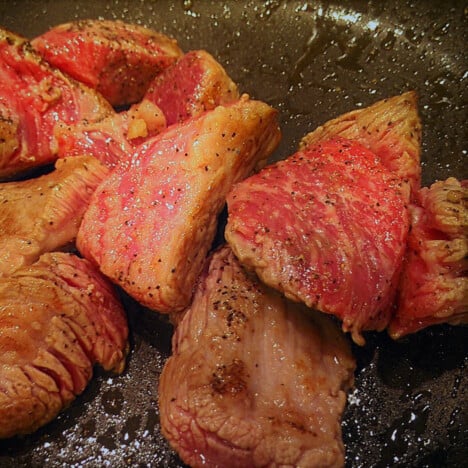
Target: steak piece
x: 434, y: 283
x: 194, y: 84
x: 254, y: 380
x: 327, y: 227
x: 117, y: 59
x: 114, y: 138
x: 58, y: 317
x: 151, y: 222
x: 35, y: 100
x: 43, y: 214
x: 390, y: 128
x: 106, y: 140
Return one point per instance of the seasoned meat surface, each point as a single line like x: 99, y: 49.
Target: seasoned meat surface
x: 151, y: 223
x: 113, y: 139
x: 434, y: 283
x: 143, y: 120
x: 35, y: 101
x: 328, y: 227
x: 117, y: 59
x: 58, y: 317
x: 43, y: 214
x: 105, y: 140
x: 194, y: 84
x: 391, y: 128
x: 254, y: 379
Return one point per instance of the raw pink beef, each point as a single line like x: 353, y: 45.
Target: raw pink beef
x: 194, y: 84
x: 117, y: 59
x: 35, y: 101
x: 106, y: 139
x: 390, y: 128
x: 434, y: 283
x: 328, y: 227
x: 152, y: 221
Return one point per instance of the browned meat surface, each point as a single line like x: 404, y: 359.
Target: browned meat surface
x: 35, y: 101
x: 117, y: 59
x: 194, y: 84
x: 43, y: 214
x: 58, y: 317
x: 390, y: 128
x: 151, y: 223
x: 328, y: 227
x: 434, y: 283
x: 254, y: 380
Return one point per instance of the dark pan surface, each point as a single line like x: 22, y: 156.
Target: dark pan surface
x: 312, y: 61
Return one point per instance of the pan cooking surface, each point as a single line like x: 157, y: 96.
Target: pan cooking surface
x: 312, y: 61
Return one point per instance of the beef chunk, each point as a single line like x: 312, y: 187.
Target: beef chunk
x: 117, y: 59
x: 328, y: 227
x: 151, y: 223
x: 43, y: 214
x: 254, y: 380
x: 58, y: 317
x: 434, y: 283
x: 35, y: 102
x: 390, y: 128
x: 193, y: 85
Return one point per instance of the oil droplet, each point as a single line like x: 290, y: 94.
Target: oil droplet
x: 112, y: 401
x: 410, y: 426
x: 268, y: 8
x: 456, y: 386
x: 388, y: 41
x: 453, y: 416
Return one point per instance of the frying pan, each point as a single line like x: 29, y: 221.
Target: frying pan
x: 312, y: 61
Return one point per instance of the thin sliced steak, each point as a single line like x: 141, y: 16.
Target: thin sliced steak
x: 117, y: 59
x: 35, y: 101
x: 390, y: 128
x: 434, y: 283
x: 151, y: 223
x: 327, y: 227
x: 194, y: 84
x: 43, y: 214
x: 254, y: 379
x: 58, y: 317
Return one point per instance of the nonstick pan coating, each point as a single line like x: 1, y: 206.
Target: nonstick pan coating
x: 312, y: 61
